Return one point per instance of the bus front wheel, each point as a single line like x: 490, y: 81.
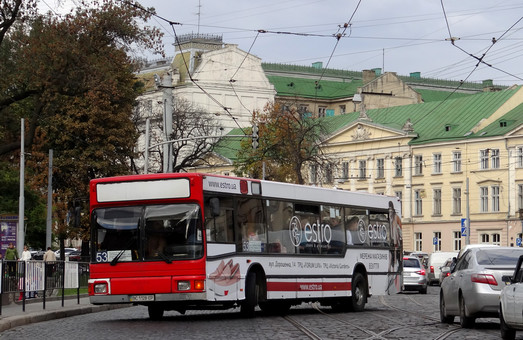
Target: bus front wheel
x: 359, y: 292
x: 251, y: 296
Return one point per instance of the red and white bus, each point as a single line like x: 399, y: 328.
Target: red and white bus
x: 194, y: 241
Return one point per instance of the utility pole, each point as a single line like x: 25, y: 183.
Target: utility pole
x: 49, y: 224
x: 20, y: 237
x: 167, y: 122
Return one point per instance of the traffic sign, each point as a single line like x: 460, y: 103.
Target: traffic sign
x: 464, y: 227
x: 518, y: 242
x: 435, y: 240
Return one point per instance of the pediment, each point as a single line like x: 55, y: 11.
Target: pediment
x: 360, y: 131
x: 518, y: 131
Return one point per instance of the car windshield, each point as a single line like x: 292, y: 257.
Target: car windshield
x: 411, y: 263
x: 498, y: 257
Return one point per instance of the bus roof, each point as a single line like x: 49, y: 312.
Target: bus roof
x: 161, y: 186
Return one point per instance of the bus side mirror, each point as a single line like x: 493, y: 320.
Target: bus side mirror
x: 214, y: 203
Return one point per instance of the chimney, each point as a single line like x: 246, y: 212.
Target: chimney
x: 368, y: 76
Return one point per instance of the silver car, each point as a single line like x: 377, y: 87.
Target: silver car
x: 414, y: 275
x: 472, y: 290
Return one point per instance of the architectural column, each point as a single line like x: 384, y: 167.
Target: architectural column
x: 511, y: 181
x: 407, y: 176
x: 389, y: 171
x: 371, y: 174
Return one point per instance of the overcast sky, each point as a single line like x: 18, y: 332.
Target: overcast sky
x: 401, y: 36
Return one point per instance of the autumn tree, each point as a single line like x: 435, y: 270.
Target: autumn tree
x: 287, y: 142
x: 190, y: 125
x: 73, y: 80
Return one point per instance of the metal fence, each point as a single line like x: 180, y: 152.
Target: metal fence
x: 31, y: 279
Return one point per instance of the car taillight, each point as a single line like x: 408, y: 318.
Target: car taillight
x: 432, y: 269
x: 447, y: 274
x: 421, y: 272
x: 484, y: 278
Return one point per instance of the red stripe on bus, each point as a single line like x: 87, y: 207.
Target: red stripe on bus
x: 307, y: 286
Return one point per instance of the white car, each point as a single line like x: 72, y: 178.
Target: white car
x: 67, y: 251
x: 511, y: 304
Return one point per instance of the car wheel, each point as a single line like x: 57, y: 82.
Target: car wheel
x: 506, y: 332
x: 464, y: 320
x: 423, y: 290
x: 444, y: 318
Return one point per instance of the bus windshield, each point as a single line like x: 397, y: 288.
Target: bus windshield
x: 148, y: 233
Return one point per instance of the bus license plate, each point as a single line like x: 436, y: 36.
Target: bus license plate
x: 141, y: 298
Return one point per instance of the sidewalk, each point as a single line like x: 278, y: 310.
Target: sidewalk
x: 14, y: 316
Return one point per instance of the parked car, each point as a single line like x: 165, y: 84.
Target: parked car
x: 67, y: 251
x: 445, y: 269
x: 473, y: 288
x: 422, y: 256
x: 414, y: 275
x: 511, y: 304
x: 434, y: 264
x: 75, y: 255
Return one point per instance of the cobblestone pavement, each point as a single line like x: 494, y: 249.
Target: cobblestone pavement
x: 402, y: 316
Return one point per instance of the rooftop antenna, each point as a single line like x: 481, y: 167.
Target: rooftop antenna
x: 199, y: 12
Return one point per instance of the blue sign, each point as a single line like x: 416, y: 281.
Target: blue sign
x: 518, y: 242
x: 435, y: 240
x: 463, y: 227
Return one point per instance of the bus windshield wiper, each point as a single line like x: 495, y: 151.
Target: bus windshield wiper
x: 117, y: 257
x: 165, y: 257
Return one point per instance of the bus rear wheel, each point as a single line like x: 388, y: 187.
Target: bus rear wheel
x: 252, y: 293
x: 155, y: 312
x: 359, y: 292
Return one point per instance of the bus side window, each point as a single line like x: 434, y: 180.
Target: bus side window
x: 279, y: 215
x: 252, y: 233
x: 220, y: 228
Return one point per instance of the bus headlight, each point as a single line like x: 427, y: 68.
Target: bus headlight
x: 100, y: 288
x: 184, y: 285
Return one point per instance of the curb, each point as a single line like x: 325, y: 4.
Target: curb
x: 21, y: 320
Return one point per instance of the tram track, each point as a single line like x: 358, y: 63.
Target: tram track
x: 439, y: 331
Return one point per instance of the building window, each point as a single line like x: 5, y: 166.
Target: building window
x: 520, y: 196
x: 418, y: 165
x: 495, y: 197
x: 483, y: 199
x: 437, y: 201
x: 328, y: 174
x: 494, y: 158
x: 485, y: 238
x: 437, y: 163
x: 343, y: 109
x: 456, y: 200
x: 496, y: 239
x: 380, y: 162
x: 457, y: 240
x: 345, y: 170
x: 456, y: 161
x: 437, y: 241
x: 483, y: 159
x: 418, y: 203
x: 321, y: 111
x: 520, y: 156
x: 418, y: 241
x: 314, y: 173
x: 363, y: 169
x: 398, y: 167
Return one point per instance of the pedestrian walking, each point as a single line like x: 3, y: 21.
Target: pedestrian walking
x: 49, y: 257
